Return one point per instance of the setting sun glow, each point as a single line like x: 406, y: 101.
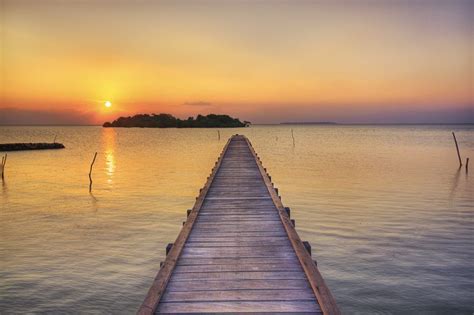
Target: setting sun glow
x: 219, y: 57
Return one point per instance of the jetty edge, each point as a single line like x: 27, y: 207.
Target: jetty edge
x: 238, y: 250
x: 30, y: 146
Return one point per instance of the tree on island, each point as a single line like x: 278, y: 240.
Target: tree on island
x: 169, y: 121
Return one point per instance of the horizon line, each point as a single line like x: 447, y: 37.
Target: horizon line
x: 252, y: 124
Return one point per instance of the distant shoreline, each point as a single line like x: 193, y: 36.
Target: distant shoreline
x: 309, y: 123
x: 264, y: 124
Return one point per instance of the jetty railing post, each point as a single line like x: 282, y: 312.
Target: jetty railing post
x: 457, y: 149
x: 90, y: 172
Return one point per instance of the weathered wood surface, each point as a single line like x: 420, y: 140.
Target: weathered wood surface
x: 238, y: 251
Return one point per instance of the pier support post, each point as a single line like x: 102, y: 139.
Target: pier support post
x: 307, y: 245
x: 168, y: 248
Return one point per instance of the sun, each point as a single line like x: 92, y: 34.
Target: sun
x: 108, y: 104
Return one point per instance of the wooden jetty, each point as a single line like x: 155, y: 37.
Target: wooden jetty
x: 238, y: 250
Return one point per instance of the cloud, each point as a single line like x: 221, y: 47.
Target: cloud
x: 383, y: 114
x: 18, y: 116
x: 198, y: 103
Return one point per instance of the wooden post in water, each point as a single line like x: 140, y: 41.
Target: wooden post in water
x: 467, y: 165
x: 457, y: 149
x: 4, y: 161
x: 90, y: 173
x: 218, y: 135
x: 293, y: 136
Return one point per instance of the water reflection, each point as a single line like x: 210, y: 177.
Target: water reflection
x: 109, y: 143
x: 4, y: 189
x: 374, y: 200
x: 94, y: 202
x: 454, y: 184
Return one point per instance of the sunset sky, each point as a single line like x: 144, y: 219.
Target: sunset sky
x: 263, y: 61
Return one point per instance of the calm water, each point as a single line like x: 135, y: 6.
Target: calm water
x: 389, y: 215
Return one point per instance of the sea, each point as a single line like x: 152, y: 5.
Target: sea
x: 386, y: 208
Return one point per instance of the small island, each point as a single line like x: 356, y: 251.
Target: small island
x: 169, y: 121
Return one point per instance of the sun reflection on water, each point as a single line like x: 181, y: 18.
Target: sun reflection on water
x: 108, y: 136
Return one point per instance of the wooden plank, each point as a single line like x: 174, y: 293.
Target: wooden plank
x: 242, y: 275
x: 244, y: 306
x: 284, y: 261
x: 231, y: 224
x: 256, y: 234
x: 222, y: 217
x: 237, y: 267
x: 239, y: 295
x: 213, y: 285
x: 238, y: 198
x: 240, y: 228
x: 271, y: 226
x: 281, y: 251
x: 237, y: 243
x: 240, y: 239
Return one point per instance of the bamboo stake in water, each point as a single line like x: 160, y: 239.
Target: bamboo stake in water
x: 293, y: 136
x: 467, y: 165
x: 4, y: 161
x: 218, y: 135
x: 457, y: 149
x: 90, y: 173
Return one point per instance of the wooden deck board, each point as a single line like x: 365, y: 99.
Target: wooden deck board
x: 248, y: 284
x: 239, y: 306
x: 239, y: 295
x: 237, y: 251
x: 237, y: 267
x: 252, y: 262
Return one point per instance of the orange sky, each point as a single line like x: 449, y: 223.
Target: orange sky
x: 266, y: 61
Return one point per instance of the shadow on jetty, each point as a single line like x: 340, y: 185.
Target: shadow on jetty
x: 30, y: 146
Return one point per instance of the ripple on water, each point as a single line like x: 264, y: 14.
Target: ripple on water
x: 388, y: 215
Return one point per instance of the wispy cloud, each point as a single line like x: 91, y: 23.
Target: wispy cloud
x: 198, y: 103
x: 18, y: 116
